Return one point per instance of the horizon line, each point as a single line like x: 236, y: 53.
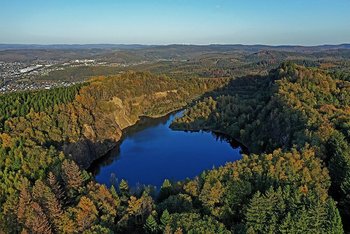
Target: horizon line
x: 172, y: 44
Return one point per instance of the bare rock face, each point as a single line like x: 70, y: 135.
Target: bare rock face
x: 100, y: 137
x: 89, y: 132
x: 85, y: 151
x: 103, y: 135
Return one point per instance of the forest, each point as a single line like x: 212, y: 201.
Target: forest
x: 295, y: 179
x: 41, y: 139
x: 293, y: 110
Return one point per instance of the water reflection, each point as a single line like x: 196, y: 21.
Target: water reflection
x: 150, y: 152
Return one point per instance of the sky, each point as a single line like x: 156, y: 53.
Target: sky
x: 271, y: 22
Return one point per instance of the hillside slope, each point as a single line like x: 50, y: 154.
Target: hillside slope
x: 292, y: 109
x: 84, y: 127
x: 295, y: 121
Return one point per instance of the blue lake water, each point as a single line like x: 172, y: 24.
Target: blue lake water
x: 150, y: 152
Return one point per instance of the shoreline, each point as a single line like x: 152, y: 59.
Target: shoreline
x: 242, y: 145
x: 124, y: 131
x: 110, y: 154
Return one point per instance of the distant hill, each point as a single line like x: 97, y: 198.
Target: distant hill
x: 213, y: 47
x: 126, y: 54
x: 70, y: 46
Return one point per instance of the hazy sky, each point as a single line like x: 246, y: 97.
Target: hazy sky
x: 305, y: 22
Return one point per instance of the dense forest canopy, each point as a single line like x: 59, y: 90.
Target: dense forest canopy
x: 293, y: 109
x: 295, y: 122
x: 43, y: 131
x: 20, y: 104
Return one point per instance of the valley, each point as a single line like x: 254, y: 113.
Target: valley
x: 175, y: 117
x: 108, y: 154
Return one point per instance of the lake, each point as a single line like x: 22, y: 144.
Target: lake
x: 150, y: 152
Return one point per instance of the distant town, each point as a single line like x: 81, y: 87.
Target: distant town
x: 24, y: 76
x: 20, y: 76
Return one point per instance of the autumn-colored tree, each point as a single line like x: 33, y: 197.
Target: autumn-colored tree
x: 35, y: 219
x: 47, y: 199
x: 295, y: 122
x: 107, y: 202
x: 86, y: 214
x: 192, y: 187
x: 178, y: 231
x: 211, y: 193
x: 140, y: 208
x: 25, y: 199
x: 71, y: 175
x: 55, y: 186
